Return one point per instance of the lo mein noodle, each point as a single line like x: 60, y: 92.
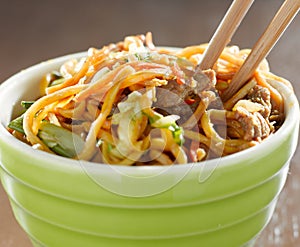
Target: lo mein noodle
x: 132, y: 103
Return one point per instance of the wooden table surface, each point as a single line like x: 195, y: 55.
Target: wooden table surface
x: 32, y: 31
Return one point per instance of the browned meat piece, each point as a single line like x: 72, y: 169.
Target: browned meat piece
x: 174, y: 93
x: 254, y: 125
x: 253, y: 114
x: 183, y: 99
x: 170, y: 94
x: 262, y: 96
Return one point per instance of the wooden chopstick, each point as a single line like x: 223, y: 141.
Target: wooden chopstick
x: 263, y: 46
x: 224, y: 32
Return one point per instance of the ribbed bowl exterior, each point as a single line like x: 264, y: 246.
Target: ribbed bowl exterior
x: 233, y: 221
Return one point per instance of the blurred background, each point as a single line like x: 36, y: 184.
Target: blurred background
x: 32, y: 31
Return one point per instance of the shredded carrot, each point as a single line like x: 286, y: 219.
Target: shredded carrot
x: 111, y: 101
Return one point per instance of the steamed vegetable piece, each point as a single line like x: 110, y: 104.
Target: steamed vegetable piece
x: 26, y: 104
x: 134, y: 120
x: 17, y: 123
x: 53, y: 78
x: 61, y: 141
x: 166, y: 122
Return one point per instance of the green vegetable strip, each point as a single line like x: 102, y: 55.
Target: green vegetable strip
x: 17, y: 124
x: 60, y: 140
x: 26, y: 104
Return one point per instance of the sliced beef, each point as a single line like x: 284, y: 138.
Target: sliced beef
x: 262, y: 96
x: 174, y: 93
x: 183, y: 99
x: 254, y: 125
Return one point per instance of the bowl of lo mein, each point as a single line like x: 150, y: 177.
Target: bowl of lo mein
x: 132, y: 145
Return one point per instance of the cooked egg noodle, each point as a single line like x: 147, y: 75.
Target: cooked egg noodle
x: 129, y: 74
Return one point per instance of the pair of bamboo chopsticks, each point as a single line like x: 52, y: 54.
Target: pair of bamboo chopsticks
x: 261, y: 49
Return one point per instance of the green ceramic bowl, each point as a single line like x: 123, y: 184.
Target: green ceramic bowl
x: 61, y: 202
